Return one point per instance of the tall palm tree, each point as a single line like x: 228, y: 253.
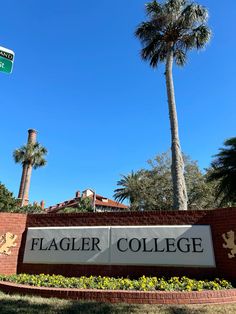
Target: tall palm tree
x: 223, y: 172
x: 173, y: 28
x: 30, y: 156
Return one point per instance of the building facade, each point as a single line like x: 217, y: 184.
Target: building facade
x: 99, y: 203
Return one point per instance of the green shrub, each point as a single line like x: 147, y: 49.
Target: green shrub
x: 110, y: 283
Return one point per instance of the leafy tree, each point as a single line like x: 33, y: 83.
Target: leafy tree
x: 28, y: 209
x: 173, y: 28
x: 153, y: 190
x: 30, y: 156
x: 223, y: 173
x: 7, y: 201
x: 200, y: 192
x: 84, y: 205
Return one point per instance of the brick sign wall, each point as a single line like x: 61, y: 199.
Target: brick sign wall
x: 12, y: 227
x: 222, y: 223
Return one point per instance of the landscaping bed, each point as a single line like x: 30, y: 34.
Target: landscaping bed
x: 144, y: 290
x: 110, y: 283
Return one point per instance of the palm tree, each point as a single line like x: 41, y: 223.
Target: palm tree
x: 30, y: 156
x: 130, y: 189
x: 223, y: 172
x: 172, y: 29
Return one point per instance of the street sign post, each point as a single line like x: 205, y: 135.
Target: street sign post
x: 6, y: 60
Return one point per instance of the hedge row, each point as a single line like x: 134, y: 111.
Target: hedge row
x: 110, y: 283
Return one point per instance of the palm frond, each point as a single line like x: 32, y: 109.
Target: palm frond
x: 174, y: 6
x: 193, y: 14
x: 129, y: 187
x: 224, y: 172
x: 147, y: 30
x: 153, y: 8
x: 197, y: 38
x: 32, y: 154
x: 180, y: 57
x: 151, y: 47
x: 177, y: 25
x: 19, y: 154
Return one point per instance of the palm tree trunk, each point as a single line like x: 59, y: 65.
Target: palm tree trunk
x: 22, y: 182
x: 177, y: 167
x: 25, y: 196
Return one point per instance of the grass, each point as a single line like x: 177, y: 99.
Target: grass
x: 35, y: 305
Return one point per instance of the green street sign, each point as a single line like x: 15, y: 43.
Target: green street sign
x: 6, y: 60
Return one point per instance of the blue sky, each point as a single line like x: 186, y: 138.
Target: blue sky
x: 101, y: 111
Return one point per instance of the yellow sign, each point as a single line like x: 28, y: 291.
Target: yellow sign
x: 7, y: 241
x: 229, y: 238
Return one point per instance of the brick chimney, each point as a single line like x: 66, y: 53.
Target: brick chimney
x: 31, y: 139
x: 77, y: 194
x: 42, y: 204
x: 32, y: 134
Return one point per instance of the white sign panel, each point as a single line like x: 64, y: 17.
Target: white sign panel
x: 67, y: 245
x: 162, y: 245
x: 129, y: 245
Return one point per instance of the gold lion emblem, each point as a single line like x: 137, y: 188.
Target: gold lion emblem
x: 229, y: 239
x: 7, y: 241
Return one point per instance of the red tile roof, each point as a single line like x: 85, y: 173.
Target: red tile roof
x: 109, y: 203
x: 100, y: 201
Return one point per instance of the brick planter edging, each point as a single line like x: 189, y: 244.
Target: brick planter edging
x: 121, y: 296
